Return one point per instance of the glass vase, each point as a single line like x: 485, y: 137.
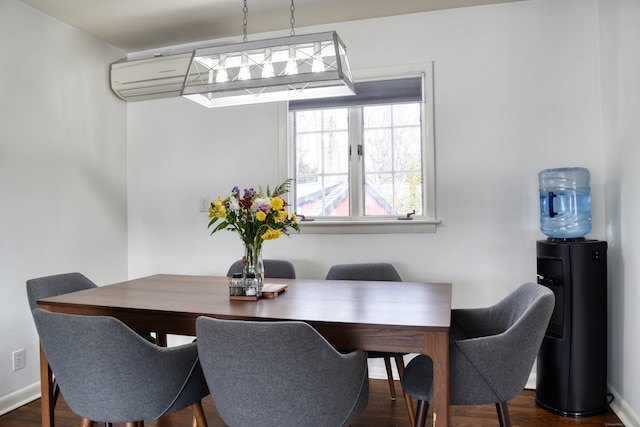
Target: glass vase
x: 252, y: 263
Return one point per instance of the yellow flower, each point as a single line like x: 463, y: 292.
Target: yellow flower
x: 261, y: 216
x: 282, y: 215
x: 294, y: 217
x: 271, y: 234
x: 277, y: 203
x: 218, y: 209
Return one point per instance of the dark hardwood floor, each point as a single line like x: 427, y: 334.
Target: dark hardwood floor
x: 381, y: 412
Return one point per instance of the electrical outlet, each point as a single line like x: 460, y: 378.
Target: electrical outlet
x: 204, y: 203
x: 18, y: 359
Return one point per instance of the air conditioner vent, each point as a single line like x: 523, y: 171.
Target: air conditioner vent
x: 159, y: 77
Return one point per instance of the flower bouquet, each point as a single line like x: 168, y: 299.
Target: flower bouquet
x: 256, y: 216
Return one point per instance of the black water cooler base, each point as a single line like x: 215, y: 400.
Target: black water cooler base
x: 572, y: 362
x: 564, y: 413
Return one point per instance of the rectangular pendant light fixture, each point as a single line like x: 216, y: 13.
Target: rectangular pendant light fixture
x: 280, y: 69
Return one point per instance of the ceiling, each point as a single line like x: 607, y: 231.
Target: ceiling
x: 137, y: 25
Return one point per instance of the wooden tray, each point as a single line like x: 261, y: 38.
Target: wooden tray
x: 269, y: 291
x: 272, y: 290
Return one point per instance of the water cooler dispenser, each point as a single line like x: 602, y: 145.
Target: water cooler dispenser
x: 572, y: 362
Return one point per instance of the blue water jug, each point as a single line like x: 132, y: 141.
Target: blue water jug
x: 565, y: 202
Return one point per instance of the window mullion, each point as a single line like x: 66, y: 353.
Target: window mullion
x: 356, y: 163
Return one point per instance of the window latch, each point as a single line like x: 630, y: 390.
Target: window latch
x: 360, y: 150
x: 304, y: 218
x: 408, y: 217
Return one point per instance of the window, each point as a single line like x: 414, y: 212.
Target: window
x: 364, y: 164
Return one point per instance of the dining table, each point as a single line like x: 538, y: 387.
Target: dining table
x: 398, y: 317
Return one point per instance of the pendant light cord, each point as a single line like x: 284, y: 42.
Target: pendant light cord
x: 293, y: 18
x: 245, y: 13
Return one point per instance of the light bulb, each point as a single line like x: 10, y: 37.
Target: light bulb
x: 245, y: 73
x: 267, y: 68
x: 222, y: 70
x: 292, y: 65
x: 318, y: 65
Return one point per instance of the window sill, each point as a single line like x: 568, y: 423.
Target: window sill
x: 369, y: 227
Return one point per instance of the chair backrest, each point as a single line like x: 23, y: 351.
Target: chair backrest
x: 494, y: 363
x: 273, y: 268
x: 279, y: 374
x: 380, y: 271
x: 108, y: 373
x: 50, y: 286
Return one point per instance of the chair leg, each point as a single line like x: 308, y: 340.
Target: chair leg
x: 161, y: 339
x: 392, y: 388
x: 407, y: 397
x: 87, y: 423
x: 56, y: 392
x: 199, y: 419
x: 421, y: 413
x: 503, y: 414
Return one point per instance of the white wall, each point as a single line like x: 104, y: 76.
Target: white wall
x: 620, y: 65
x: 62, y: 173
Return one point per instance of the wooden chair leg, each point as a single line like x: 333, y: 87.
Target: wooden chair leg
x: 199, y: 419
x: 392, y: 388
x: 407, y: 398
x: 421, y: 413
x: 503, y: 414
x: 161, y: 339
x: 87, y: 423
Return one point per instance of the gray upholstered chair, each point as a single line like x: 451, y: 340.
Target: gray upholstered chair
x: 491, y: 352
x: 382, y: 272
x: 280, y: 374
x: 273, y: 269
x: 50, y: 286
x: 108, y: 373
x: 59, y: 284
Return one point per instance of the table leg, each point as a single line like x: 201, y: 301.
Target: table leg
x: 437, y: 347
x: 46, y: 390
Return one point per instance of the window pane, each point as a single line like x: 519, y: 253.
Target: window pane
x: 377, y: 150
x: 336, y: 152
x: 328, y: 196
x: 378, y: 197
x: 407, y: 148
x: 392, y: 159
x: 308, y: 155
x: 377, y: 116
x: 406, y: 114
x: 408, y: 193
x: 322, y: 162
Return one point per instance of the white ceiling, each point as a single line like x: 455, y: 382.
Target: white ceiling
x: 137, y: 25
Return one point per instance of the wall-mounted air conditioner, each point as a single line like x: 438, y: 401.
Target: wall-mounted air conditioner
x: 158, y: 77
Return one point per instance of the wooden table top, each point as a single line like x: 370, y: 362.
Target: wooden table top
x: 424, y: 305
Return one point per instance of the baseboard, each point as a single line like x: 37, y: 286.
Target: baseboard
x: 377, y: 371
x: 19, y: 398
x: 623, y: 410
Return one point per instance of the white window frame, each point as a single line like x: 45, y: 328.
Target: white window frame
x: 425, y: 223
